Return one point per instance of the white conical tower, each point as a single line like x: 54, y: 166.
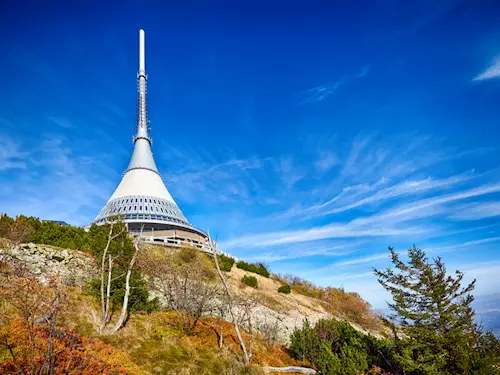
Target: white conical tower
x: 142, y: 198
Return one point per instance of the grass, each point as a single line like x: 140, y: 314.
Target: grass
x: 156, y: 344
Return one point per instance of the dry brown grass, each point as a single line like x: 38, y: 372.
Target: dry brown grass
x: 306, y: 298
x: 155, y: 342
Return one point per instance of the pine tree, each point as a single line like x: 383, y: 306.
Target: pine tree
x: 437, y: 333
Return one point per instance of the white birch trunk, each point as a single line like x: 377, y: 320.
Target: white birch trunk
x: 246, y: 359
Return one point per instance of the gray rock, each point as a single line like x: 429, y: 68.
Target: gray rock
x: 58, y: 258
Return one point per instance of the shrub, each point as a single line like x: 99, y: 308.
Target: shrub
x: 74, y: 354
x: 44, y: 232
x: 257, y: 268
x: 336, y: 348
x: 225, y: 262
x: 285, y: 289
x: 250, y: 281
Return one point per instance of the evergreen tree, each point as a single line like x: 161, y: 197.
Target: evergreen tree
x: 437, y: 333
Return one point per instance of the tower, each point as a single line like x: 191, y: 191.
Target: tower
x: 141, y: 198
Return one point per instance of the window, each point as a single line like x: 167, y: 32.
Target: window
x: 154, y: 201
x: 141, y: 200
x: 135, y: 200
x: 140, y: 208
x: 150, y: 201
x: 146, y: 208
x: 129, y: 208
x: 135, y: 207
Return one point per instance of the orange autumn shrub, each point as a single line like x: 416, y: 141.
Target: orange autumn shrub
x: 72, y: 353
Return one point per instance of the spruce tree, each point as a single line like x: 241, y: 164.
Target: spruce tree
x: 436, y: 332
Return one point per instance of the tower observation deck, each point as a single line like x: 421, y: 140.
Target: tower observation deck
x: 142, y: 199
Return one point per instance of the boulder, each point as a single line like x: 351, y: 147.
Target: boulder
x: 58, y: 257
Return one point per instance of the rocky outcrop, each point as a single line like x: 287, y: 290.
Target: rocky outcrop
x: 72, y: 266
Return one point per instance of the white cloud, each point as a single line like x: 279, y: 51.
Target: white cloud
x: 334, y: 230
x: 365, y: 259
x: 11, y: 156
x: 326, y: 161
x: 405, y: 188
x: 415, y: 209
x: 288, y: 252
x: 59, y: 185
x: 61, y: 121
x: 391, y: 222
x: 493, y: 71
x: 288, y: 173
x: 196, y: 175
x: 476, y: 211
x: 319, y: 93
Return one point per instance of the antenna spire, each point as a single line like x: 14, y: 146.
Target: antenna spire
x: 142, y: 116
x: 142, y: 54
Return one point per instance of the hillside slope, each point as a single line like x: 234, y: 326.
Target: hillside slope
x: 154, y: 341
x: 288, y: 311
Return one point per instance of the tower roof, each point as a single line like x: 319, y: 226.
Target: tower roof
x: 142, y: 198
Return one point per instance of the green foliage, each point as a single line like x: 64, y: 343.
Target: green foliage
x: 121, y: 249
x: 250, y: 281
x: 437, y: 333
x: 5, y: 224
x: 286, y: 289
x: 46, y: 232
x: 94, y: 241
x: 335, y: 347
x: 139, y: 299
x: 225, y: 262
x: 258, y: 268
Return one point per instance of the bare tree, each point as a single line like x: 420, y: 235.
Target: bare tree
x: 244, y: 305
x: 113, y: 255
x: 24, y: 296
x: 186, y: 284
x: 213, y: 248
x: 124, y: 313
x: 20, y: 231
x: 105, y: 277
x: 270, y: 328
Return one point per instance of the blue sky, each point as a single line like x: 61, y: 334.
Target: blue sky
x: 309, y: 135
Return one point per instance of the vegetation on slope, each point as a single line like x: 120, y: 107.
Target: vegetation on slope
x: 225, y: 262
x: 336, y: 301
x: 251, y: 281
x: 31, y: 338
x: 258, y: 268
x: 335, y: 347
x: 285, y: 289
x: 437, y: 333
x: 48, y: 326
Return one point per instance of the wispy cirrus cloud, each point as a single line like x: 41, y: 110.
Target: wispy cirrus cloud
x: 493, y: 71
x: 409, y: 187
x: 390, y: 222
x: 194, y: 173
x: 440, y: 248
x: 58, y: 183
x: 62, y: 122
x: 322, y: 92
x: 476, y: 211
x: 11, y: 156
x: 326, y: 161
